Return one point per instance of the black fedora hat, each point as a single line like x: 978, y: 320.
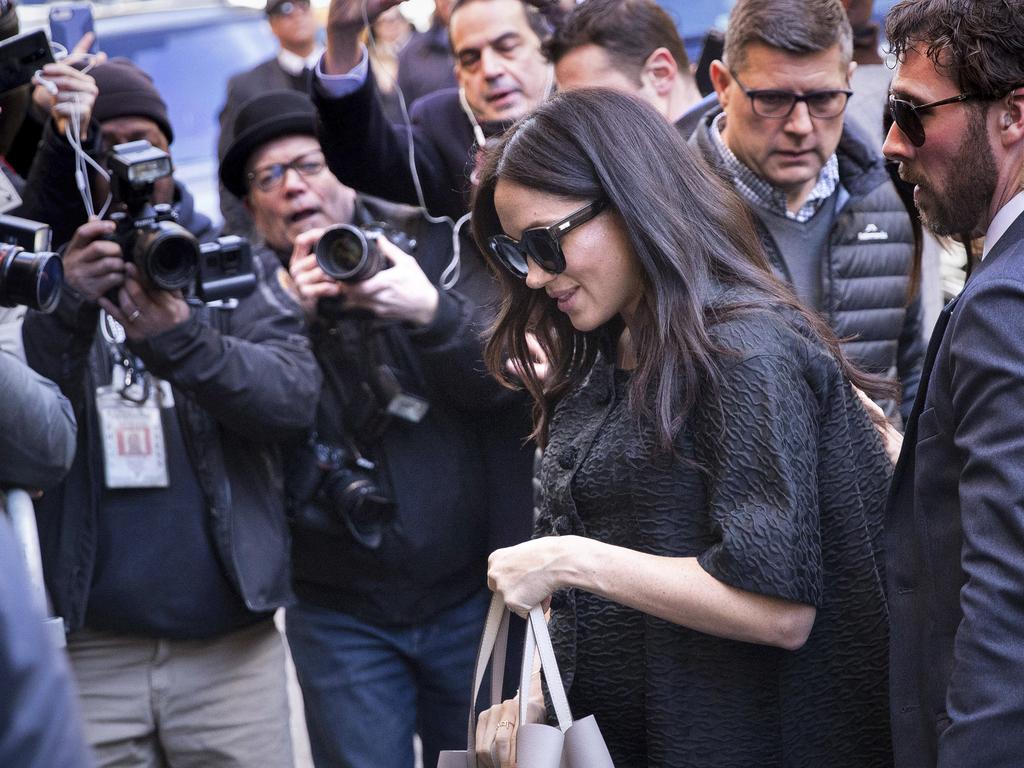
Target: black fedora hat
x: 260, y: 120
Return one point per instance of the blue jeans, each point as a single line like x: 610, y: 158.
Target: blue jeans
x: 368, y: 689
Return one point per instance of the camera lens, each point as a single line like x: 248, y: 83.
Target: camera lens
x: 344, y: 253
x: 169, y: 255
x: 32, y: 279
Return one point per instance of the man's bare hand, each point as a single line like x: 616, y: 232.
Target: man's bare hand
x: 75, y: 89
x: 145, y: 310
x: 92, y: 264
x: 345, y: 22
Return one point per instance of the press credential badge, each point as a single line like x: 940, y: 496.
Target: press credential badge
x: 134, y: 453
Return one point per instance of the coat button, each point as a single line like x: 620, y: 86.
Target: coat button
x: 567, y: 458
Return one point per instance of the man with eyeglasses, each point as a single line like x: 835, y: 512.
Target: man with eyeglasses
x: 293, y: 24
x: 953, y: 540
x: 830, y: 218
x: 389, y: 496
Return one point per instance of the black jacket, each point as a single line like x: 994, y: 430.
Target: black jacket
x: 371, y: 155
x: 243, y: 380
x: 954, y: 533
x: 866, y: 279
x: 425, y: 64
x: 434, y: 555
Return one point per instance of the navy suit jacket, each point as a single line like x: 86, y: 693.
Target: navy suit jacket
x: 955, y: 533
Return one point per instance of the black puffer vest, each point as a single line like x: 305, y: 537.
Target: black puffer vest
x: 867, y: 270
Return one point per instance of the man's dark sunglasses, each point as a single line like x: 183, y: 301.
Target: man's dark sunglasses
x: 774, y: 103
x: 907, y: 115
x: 541, y: 243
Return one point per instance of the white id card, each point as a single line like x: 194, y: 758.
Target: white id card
x: 134, y: 454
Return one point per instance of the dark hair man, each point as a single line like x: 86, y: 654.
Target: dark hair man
x: 501, y: 73
x: 293, y: 24
x: 830, y: 218
x: 632, y: 46
x: 392, y: 591
x: 953, y: 538
x: 165, y: 548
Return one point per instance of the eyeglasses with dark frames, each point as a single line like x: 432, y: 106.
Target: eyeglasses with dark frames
x: 541, y: 244
x: 270, y: 177
x: 907, y: 115
x: 776, y: 103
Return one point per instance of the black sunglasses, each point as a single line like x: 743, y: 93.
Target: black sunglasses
x: 907, y: 115
x: 541, y: 243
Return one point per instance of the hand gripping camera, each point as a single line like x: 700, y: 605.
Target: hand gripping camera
x: 166, y: 253
x: 29, y: 273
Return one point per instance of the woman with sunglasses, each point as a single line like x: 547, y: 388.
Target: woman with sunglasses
x: 709, y: 538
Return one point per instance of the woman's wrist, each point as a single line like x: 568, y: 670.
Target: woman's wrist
x: 575, y: 562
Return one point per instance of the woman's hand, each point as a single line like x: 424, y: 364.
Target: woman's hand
x: 497, y: 729
x: 525, y: 575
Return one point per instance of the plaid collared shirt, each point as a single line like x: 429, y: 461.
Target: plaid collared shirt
x: 759, y: 192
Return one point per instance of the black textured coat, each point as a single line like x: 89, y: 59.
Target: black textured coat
x: 789, y: 505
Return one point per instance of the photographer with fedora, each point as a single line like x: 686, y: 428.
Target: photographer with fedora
x: 388, y: 497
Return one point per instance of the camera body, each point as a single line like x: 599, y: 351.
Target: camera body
x: 30, y: 274
x: 350, y: 254
x: 343, y: 492
x: 167, y: 254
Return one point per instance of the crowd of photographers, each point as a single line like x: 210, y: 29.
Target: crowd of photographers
x: 292, y: 410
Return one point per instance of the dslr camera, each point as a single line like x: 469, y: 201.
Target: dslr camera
x: 343, y: 491
x: 29, y: 273
x: 166, y: 253
x: 350, y: 254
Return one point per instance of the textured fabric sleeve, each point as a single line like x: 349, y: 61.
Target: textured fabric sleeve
x: 758, y: 445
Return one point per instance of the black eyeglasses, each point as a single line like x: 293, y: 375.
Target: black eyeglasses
x: 907, y: 115
x: 771, y: 102
x: 288, y: 7
x: 541, y: 243
x: 270, y: 177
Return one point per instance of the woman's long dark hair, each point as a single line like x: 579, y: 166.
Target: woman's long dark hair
x: 688, y: 228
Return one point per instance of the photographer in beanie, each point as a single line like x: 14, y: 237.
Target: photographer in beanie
x: 166, y: 547
x: 127, y: 107
x: 389, y: 497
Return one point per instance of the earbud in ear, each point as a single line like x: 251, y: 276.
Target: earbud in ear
x: 1007, y: 121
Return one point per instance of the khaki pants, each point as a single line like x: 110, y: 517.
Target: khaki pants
x: 184, y: 703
